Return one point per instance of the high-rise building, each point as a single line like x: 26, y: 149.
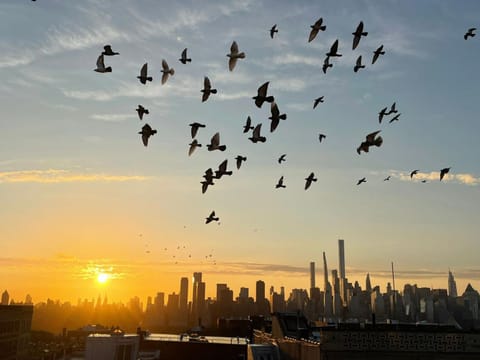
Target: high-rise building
x: 368, y: 284
x: 243, y: 293
x: 452, y: 285
x: 325, y: 272
x: 183, y: 300
x: 197, y: 280
x: 15, y: 324
x: 341, y: 259
x: 220, y: 291
x: 5, y: 298
x: 260, y: 291
x: 312, y: 275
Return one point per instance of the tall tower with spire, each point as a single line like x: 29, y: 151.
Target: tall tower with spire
x: 452, y: 285
x: 368, y: 284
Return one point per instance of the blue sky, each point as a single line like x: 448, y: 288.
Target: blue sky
x: 76, y: 181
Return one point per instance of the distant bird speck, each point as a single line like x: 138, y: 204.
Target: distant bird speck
x: 211, y: 218
x: 273, y: 30
x: 317, y: 101
x: 377, y: 53
x: 393, y: 109
x: 143, y: 74
x: 146, y: 132
x: 469, y: 33
x: 315, y: 29
x: 381, y: 114
x: 358, y: 34
x: 215, y: 143
x: 108, y: 51
x: 222, y: 170
x: 166, y: 71
x: 261, y: 96
x: 193, y: 145
x: 371, y: 140
x: 207, y: 89
x: 101, y: 66
x: 362, y: 180
x: 141, y: 111
x: 256, y: 137
x: 183, y: 58
x: 443, y: 172
x: 280, y: 183
x: 282, y: 158
x: 387, y: 178
x: 395, y: 118
x: 194, y: 128
x: 248, y: 125
x: 275, y: 116
x: 358, y: 64
x: 414, y: 172
x: 309, y: 180
x: 321, y: 137
x: 234, y: 56
x: 240, y: 159
x: 334, y: 50
x: 326, y: 64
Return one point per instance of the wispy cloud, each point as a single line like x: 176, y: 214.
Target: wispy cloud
x: 63, y: 176
x: 292, y: 59
x: 467, y: 179
x: 112, y: 117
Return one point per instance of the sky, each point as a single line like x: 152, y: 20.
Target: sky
x: 81, y: 195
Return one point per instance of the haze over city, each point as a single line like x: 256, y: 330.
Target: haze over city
x: 87, y: 209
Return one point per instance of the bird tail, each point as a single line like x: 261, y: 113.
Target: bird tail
x: 378, y: 141
x: 241, y: 55
x: 188, y: 60
x: 270, y: 99
x: 154, y: 132
x: 108, y: 69
x: 283, y: 117
x: 314, y: 179
x: 146, y: 111
x: 222, y: 148
x: 365, y: 33
x: 323, y: 27
x: 172, y: 71
x: 213, y: 91
x: 262, y: 139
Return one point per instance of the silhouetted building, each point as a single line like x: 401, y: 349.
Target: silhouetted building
x: 115, y: 346
x: 452, y: 285
x: 15, y: 325
x: 183, y: 301
x: 5, y: 298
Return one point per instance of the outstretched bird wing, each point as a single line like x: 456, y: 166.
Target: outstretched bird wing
x: 371, y: 137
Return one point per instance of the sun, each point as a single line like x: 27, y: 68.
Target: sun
x: 102, y: 278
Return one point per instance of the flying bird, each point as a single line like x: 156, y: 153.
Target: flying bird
x: 395, y: 118
x: 248, y: 125
x: 273, y: 30
x: 280, y: 183
x: 101, y: 66
x: 309, y: 180
x: 215, y: 143
x: 326, y: 64
x: 141, y: 110
x: 414, y: 172
x: 381, y: 114
x: 321, y: 137
x: 207, y: 89
x: 281, y: 158
x: 362, y: 180
x: 166, y: 71
x: 317, y: 101
x: 107, y: 51
x: 469, y: 33
x: 143, y: 74
x: 146, y: 132
x: 193, y: 145
x: 211, y: 218
x: 387, y: 178
x: 234, y: 56
x: 377, y: 53
x: 315, y: 29
x: 240, y: 159
x: 256, y: 137
x: 443, y: 172
x: 334, y: 50
x: 424, y: 181
x: 183, y: 58
x: 195, y: 126
x: 222, y: 170
x: 358, y: 64
x: 276, y: 116
x: 261, y: 96
x: 393, y: 109
x: 358, y: 34
x: 371, y: 140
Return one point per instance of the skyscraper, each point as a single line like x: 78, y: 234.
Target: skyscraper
x: 183, y: 300
x: 312, y: 275
x: 452, y: 285
x: 368, y: 284
x: 260, y: 291
x: 341, y: 259
x: 197, y: 280
x: 325, y: 272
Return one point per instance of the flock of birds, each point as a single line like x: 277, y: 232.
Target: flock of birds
x: 371, y: 139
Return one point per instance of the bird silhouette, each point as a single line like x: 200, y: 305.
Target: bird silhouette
x: 166, y: 71
x: 334, y: 50
x: 358, y: 34
x: 387, y: 178
x: 141, y: 111
x: 321, y: 137
x: 469, y: 33
x: 256, y: 137
x: 234, y: 56
x: 215, y: 143
x: 211, y: 218
x: 143, y: 74
x: 317, y: 101
x: 381, y: 114
x: 146, y: 132
x: 183, y: 58
x: 282, y: 158
x: 222, y: 170
x: 261, y: 96
x: 194, y: 128
x: 443, y: 172
x: 395, y: 118
x: 280, y: 183
x: 377, y: 53
x: 240, y: 159
x: 208, y: 176
x: 393, y: 109
x: 101, y: 66
x: 275, y: 117
x: 207, y: 89
x: 326, y: 64
x: 315, y: 29
x: 414, y: 172
x: 362, y: 180
x: 248, y: 125
x: 309, y: 180
x: 358, y: 64
x: 370, y: 141
x: 107, y: 51
x: 193, y: 145
x: 424, y: 181
x: 273, y: 30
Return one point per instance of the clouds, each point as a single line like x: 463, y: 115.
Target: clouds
x: 62, y: 176
x: 465, y: 178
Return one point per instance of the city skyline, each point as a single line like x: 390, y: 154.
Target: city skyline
x: 88, y: 209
